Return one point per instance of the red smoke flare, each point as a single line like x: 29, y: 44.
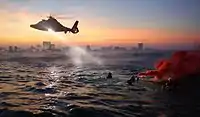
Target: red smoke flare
x: 182, y: 63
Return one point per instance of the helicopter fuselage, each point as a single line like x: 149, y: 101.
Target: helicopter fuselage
x: 54, y: 25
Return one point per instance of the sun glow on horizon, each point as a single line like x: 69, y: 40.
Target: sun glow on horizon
x: 15, y: 30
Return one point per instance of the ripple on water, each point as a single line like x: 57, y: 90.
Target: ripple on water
x: 6, y: 94
x: 78, y: 97
x: 89, y: 94
x: 9, y: 76
x: 40, y: 90
x: 93, y: 112
x: 39, y: 84
x: 112, y: 94
x: 6, y: 104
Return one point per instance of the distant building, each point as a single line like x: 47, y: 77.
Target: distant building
x: 2, y: 49
x: 133, y: 48
x: 46, y: 45
x: 119, y: 48
x: 38, y: 46
x: 32, y: 49
x: 88, y: 47
x: 15, y: 49
x: 107, y: 48
x: 140, y: 46
x: 52, y: 47
x: 10, y: 49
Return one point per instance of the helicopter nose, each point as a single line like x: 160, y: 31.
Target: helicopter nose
x: 32, y: 26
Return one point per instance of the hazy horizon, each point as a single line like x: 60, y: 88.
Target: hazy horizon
x: 159, y: 47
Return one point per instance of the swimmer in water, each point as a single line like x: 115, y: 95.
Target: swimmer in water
x: 131, y: 80
x: 109, y: 76
x: 168, y: 84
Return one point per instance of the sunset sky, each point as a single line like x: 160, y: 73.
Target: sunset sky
x: 103, y: 22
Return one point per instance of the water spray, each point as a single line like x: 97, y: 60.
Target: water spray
x: 78, y: 55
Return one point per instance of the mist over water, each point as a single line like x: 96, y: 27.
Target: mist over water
x: 79, y: 56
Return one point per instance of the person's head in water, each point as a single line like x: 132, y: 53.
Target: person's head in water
x: 109, y: 75
x: 132, y: 80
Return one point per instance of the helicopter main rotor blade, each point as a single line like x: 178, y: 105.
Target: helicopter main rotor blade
x: 65, y: 17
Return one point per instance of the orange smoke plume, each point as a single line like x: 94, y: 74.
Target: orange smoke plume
x: 181, y: 64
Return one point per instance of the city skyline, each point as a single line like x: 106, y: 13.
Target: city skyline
x: 112, y: 22
x: 49, y: 46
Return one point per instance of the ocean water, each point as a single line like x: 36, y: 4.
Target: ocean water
x: 65, y: 88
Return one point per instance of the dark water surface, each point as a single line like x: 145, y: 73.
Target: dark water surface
x: 66, y: 90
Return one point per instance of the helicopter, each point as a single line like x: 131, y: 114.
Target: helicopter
x: 52, y: 24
